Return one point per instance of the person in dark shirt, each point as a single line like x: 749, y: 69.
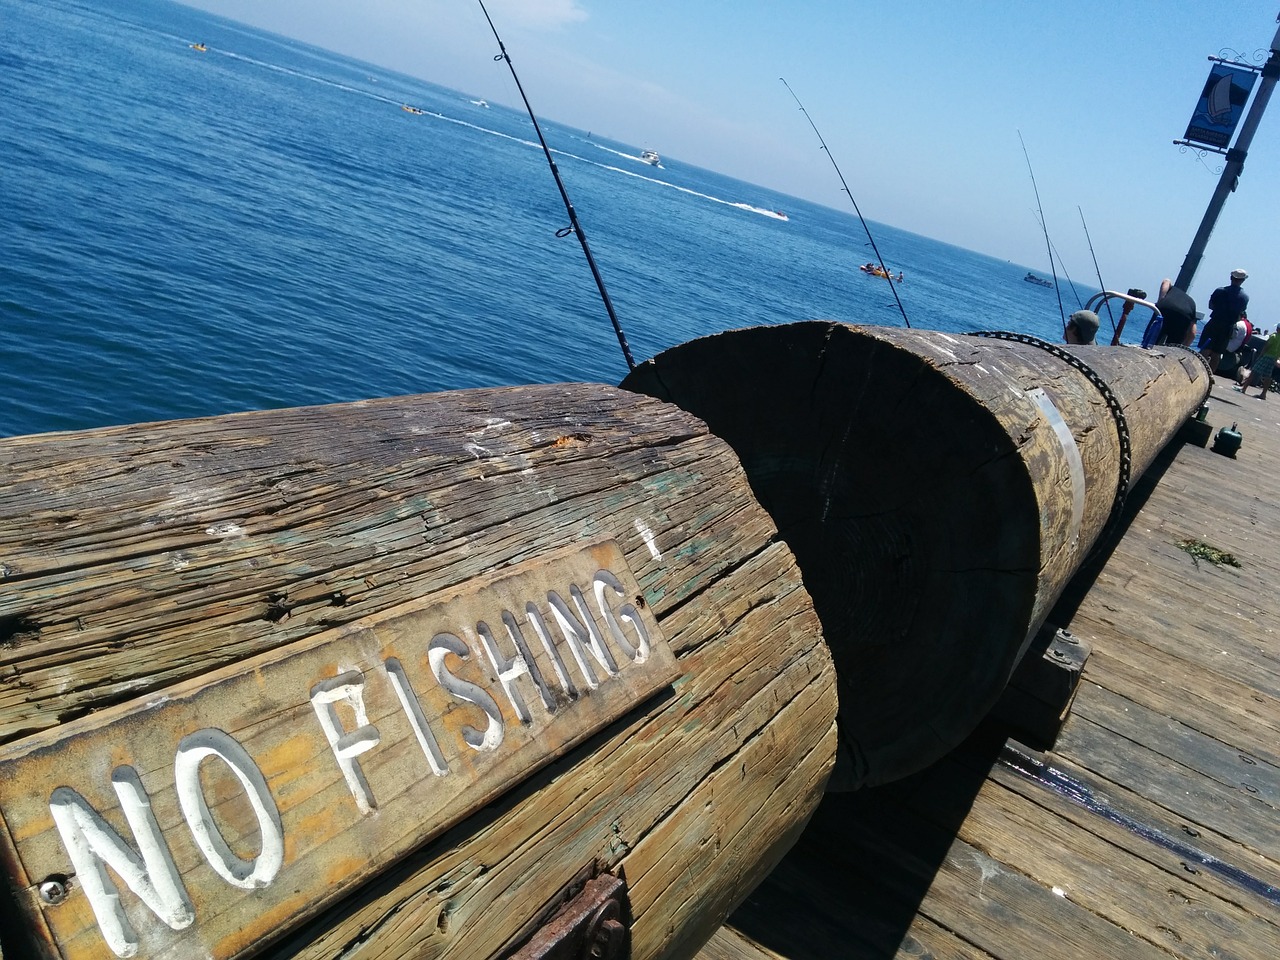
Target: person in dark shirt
x: 1226, y: 305
x: 1178, y: 311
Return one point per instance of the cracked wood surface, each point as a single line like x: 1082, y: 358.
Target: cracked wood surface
x: 139, y: 559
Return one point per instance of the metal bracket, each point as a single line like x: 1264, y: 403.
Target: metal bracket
x: 594, y: 925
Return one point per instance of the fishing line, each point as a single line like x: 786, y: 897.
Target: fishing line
x: 1045, y: 228
x: 1065, y: 272
x: 887, y: 276
x: 1101, y: 285
x: 574, y: 226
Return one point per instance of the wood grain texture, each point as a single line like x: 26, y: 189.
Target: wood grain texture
x: 939, y: 491
x: 136, y: 559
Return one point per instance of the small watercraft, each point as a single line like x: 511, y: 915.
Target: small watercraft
x: 651, y: 157
x: 199, y: 46
x: 876, y: 271
x: 409, y: 109
x: 480, y: 103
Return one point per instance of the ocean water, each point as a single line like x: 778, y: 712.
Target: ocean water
x: 263, y: 225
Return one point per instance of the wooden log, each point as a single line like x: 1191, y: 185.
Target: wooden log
x: 388, y: 678
x: 938, y: 491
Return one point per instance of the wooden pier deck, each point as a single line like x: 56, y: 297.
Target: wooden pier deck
x: 1150, y: 829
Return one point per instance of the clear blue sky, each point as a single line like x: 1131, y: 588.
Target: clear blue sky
x: 921, y: 103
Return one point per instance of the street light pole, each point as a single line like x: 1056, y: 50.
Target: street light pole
x: 1235, y: 165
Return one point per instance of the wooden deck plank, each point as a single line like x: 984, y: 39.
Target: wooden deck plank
x: 1229, y: 811
x: 1140, y: 829
x: 1054, y: 853
x: 1181, y: 743
x: 1219, y: 707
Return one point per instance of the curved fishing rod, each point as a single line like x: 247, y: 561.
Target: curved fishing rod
x: 1045, y: 228
x: 1096, y: 269
x: 574, y: 226
x: 887, y: 276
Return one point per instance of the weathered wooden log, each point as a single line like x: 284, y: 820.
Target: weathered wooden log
x: 938, y: 491
x: 394, y: 678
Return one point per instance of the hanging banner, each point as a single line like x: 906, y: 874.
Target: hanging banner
x: 1221, y: 105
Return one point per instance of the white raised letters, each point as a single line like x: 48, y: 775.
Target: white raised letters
x: 582, y: 635
x: 544, y: 636
x: 347, y: 688
x: 417, y: 719
x: 510, y: 669
x: 481, y: 661
x: 443, y: 644
x: 94, y: 845
x: 638, y: 653
x: 246, y: 874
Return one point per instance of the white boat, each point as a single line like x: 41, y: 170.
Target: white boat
x: 651, y: 157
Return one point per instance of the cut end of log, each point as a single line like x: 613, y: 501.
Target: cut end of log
x: 892, y: 487
x: 938, y: 491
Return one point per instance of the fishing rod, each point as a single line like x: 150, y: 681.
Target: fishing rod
x: 1096, y: 269
x: 574, y: 226
x: 1063, y: 264
x: 1045, y: 228
x: 887, y: 276
x: 1070, y: 283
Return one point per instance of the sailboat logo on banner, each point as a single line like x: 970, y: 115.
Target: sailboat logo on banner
x: 1221, y: 105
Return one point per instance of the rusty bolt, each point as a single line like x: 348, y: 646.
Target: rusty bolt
x: 606, y: 936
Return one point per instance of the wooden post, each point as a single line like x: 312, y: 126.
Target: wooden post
x: 398, y: 673
x: 938, y: 491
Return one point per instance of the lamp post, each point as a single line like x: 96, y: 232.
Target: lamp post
x: 1235, y: 165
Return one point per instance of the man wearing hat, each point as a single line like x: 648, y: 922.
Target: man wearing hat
x: 1226, y: 305
x: 1082, y: 327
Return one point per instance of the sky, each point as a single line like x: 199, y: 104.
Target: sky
x: 925, y: 106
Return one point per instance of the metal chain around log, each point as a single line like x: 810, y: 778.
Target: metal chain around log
x: 1113, y: 405
x: 939, y: 491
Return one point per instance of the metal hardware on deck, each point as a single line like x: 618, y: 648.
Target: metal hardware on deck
x: 594, y: 925
x: 1042, y: 689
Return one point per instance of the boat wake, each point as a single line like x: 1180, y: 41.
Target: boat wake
x: 771, y: 214
x: 417, y: 111
x: 640, y: 158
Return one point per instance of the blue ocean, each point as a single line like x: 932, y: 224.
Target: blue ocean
x: 263, y: 224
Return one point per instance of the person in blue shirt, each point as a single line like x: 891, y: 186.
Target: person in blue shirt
x: 1226, y: 305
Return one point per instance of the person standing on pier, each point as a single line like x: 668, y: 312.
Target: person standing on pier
x: 1226, y: 305
x: 1264, y: 368
x: 1179, y: 313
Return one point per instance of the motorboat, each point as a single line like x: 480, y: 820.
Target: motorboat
x: 651, y: 157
